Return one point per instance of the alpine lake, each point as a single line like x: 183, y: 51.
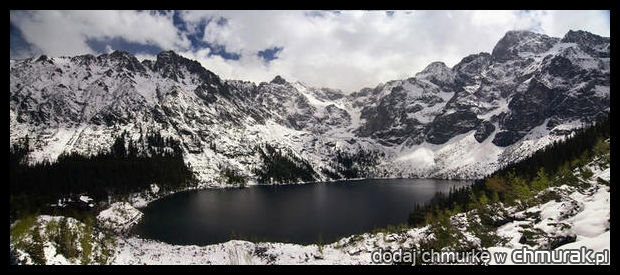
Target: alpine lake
x: 294, y: 213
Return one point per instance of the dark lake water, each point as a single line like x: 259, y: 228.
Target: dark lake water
x: 288, y: 213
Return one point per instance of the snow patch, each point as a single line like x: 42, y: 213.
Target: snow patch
x: 120, y: 217
x: 421, y: 157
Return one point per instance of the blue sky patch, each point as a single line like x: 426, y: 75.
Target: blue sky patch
x: 21, y: 48
x: 18, y: 46
x: 270, y: 53
x: 196, y: 37
x: 221, y: 51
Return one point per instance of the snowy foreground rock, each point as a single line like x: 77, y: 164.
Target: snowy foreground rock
x: 581, y: 217
x: 57, y: 240
x: 120, y: 217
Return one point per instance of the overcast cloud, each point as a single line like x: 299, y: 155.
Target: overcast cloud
x: 347, y: 50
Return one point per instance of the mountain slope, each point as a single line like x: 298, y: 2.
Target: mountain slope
x: 460, y: 122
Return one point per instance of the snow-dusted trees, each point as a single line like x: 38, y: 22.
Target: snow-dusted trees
x: 127, y: 167
x: 553, y: 165
x: 282, y: 166
x: 357, y: 164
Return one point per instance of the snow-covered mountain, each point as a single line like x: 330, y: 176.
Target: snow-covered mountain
x: 459, y: 122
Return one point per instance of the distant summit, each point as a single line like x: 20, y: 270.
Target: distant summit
x: 515, y: 42
x: 278, y: 80
x: 438, y: 73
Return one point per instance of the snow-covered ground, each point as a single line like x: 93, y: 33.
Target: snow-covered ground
x: 120, y: 217
x: 54, y: 242
x: 580, y: 214
x: 575, y: 217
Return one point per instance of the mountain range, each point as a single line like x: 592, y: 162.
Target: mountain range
x: 465, y: 122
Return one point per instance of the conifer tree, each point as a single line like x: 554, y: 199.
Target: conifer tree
x: 35, y: 248
x: 541, y: 181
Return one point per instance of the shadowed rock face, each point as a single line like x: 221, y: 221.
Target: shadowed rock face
x: 393, y: 119
x: 529, y: 109
x: 447, y: 126
x: 484, y: 130
x: 470, y: 67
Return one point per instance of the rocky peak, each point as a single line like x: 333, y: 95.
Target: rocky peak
x: 434, y: 67
x: 516, y: 42
x: 84, y: 60
x: 438, y: 73
x: 583, y: 37
x: 278, y: 80
x: 120, y: 55
x: 167, y: 59
x: 588, y: 42
x: 123, y: 59
x: 172, y: 59
x: 170, y: 63
x: 472, y: 65
x: 167, y: 56
x: 42, y: 58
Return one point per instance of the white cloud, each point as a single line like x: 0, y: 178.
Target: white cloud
x: 108, y: 49
x: 558, y: 23
x: 356, y: 49
x: 67, y: 32
x: 347, y: 50
x: 144, y: 56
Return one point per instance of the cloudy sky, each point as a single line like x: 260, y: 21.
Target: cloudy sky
x: 347, y: 50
